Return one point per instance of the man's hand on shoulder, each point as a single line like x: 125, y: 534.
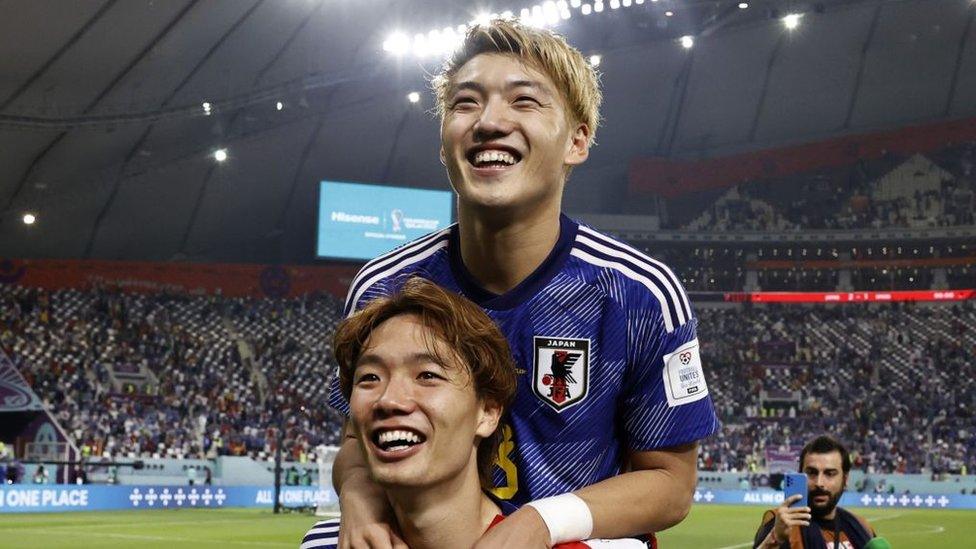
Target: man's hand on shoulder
x: 523, y: 529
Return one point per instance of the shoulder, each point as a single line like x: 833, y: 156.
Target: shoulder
x: 635, y: 279
x: 393, y: 263
x: 324, y: 535
x: 867, y: 525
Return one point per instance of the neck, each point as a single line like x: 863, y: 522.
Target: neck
x: 500, y: 251
x: 453, y: 514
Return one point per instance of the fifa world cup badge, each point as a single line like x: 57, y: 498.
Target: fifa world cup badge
x: 561, y: 371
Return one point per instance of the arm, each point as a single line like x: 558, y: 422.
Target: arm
x: 655, y: 494
x: 786, y: 517
x: 367, y: 520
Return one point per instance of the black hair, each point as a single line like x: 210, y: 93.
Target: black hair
x: 825, y: 444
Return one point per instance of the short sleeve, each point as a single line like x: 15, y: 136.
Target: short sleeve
x: 665, y: 401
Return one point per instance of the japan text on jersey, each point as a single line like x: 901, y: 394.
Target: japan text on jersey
x: 605, y: 343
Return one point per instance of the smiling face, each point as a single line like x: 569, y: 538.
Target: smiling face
x: 507, y: 138
x: 825, y: 482
x: 419, y: 420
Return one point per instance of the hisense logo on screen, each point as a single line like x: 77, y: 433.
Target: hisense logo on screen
x: 359, y: 221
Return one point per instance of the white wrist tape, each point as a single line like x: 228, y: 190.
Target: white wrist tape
x: 567, y: 517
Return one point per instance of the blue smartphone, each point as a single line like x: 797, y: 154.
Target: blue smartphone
x: 793, y: 484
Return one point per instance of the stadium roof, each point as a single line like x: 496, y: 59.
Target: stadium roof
x: 111, y: 111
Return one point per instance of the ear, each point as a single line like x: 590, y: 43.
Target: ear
x: 488, y: 417
x: 579, y: 146
x: 443, y: 156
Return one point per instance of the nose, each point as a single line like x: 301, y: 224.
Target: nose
x: 493, y: 122
x: 397, y: 398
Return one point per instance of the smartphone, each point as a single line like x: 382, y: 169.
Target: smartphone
x: 793, y: 484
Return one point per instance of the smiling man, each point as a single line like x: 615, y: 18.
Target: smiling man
x: 428, y: 375
x: 601, y: 440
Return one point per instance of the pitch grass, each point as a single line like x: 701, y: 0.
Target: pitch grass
x: 707, y: 527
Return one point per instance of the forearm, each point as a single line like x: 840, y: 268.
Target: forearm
x: 349, y: 464
x: 637, y: 502
x: 770, y: 541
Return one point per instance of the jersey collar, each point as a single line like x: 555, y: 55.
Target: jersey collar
x: 528, y: 287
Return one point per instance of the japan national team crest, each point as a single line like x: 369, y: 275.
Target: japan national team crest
x: 561, y: 371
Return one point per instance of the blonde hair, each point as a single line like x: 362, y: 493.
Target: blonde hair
x: 546, y: 51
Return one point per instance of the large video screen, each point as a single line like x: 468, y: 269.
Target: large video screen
x: 359, y: 221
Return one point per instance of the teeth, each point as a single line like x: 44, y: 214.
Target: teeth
x: 387, y: 437
x: 494, y: 156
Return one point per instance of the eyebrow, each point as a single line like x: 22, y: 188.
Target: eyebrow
x: 825, y: 470
x: 415, y: 358
x: 478, y: 87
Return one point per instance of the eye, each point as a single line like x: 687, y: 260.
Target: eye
x: 427, y: 375
x: 367, y: 378
x: 527, y: 99
x: 463, y: 101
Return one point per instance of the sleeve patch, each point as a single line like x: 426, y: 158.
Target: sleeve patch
x: 684, y: 380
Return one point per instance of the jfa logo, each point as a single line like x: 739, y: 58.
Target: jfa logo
x: 561, y: 372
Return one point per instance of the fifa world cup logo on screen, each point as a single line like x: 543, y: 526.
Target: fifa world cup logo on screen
x: 397, y: 217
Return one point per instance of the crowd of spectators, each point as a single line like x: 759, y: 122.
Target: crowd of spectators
x: 934, y: 190
x: 897, y: 382
x: 904, y: 265
x: 226, y: 373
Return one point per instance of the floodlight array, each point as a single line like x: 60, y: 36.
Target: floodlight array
x: 439, y: 43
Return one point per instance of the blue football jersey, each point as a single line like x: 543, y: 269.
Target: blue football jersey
x: 605, y: 344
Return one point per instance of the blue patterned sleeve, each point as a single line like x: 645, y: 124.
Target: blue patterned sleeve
x: 665, y: 401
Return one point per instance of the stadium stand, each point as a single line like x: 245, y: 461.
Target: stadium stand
x: 932, y: 190
x: 896, y: 380
x: 217, y: 371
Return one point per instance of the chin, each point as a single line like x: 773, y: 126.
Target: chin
x: 399, y: 479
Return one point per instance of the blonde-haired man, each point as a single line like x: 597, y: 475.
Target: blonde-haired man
x: 601, y: 440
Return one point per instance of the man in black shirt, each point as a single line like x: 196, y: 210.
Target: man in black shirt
x: 822, y: 525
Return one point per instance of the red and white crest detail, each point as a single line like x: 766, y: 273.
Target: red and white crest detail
x: 561, y: 371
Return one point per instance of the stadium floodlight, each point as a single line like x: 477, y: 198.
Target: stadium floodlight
x: 420, y: 47
x: 687, y: 41
x: 669, y: 13
x: 397, y: 43
x: 614, y: 4
x: 598, y: 6
x: 207, y: 108
x: 482, y: 19
x: 220, y: 155
x: 279, y: 105
x: 743, y: 5
x: 639, y: 2
x: 551, y: 12
x: 791, y: 20
x: 413, y: 97
x: 626, y: 3
x: 586, y: 9
x: 29, y: 218
x: 575, y: 3
x: 595, y: 60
